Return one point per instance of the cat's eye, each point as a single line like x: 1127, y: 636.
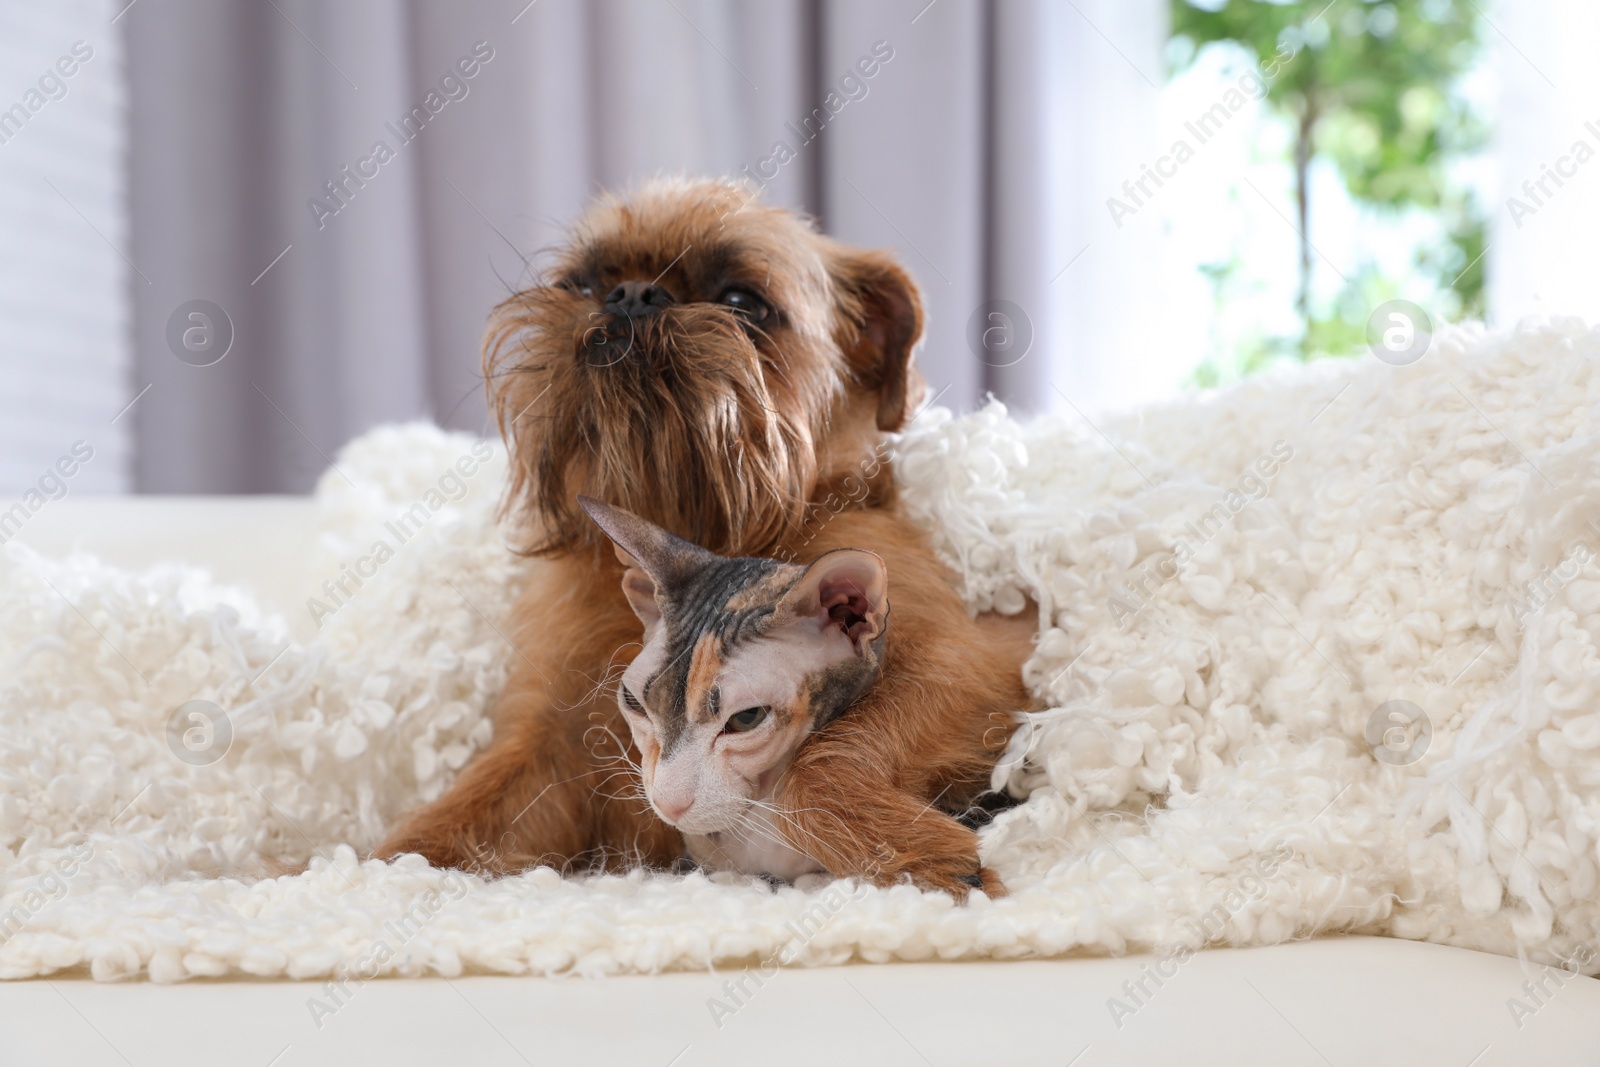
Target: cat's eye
x: 632, y: 702
x: 748, y: 719
x: 746, y: 303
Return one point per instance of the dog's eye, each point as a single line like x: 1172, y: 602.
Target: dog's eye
x: 748, y: 719
x: 576, y: 285
x: 746, y: 303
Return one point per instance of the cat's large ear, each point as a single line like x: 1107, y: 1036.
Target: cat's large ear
x: 656, y: 560
x: 846, y: 589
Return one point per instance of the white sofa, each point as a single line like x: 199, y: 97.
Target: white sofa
x: 1334, y: 1001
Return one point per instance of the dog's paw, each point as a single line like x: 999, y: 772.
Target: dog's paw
x: 993, y: 887
x: 986, y: 880
x: 961, y: 886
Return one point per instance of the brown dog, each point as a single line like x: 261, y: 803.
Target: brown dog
x: 719, y: 368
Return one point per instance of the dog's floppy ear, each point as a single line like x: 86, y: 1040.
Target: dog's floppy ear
x: 656, y: 561
x: 880, y: 313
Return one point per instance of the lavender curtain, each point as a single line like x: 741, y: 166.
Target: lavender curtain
x: 353, y: 185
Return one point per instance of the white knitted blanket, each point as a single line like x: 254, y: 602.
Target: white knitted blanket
x: 1320, y: 653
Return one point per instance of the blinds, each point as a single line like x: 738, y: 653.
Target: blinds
x: 64, y: 301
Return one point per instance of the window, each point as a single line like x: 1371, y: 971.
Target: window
x: 64, y: 307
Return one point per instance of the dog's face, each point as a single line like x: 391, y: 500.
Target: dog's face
x: 704, y: 361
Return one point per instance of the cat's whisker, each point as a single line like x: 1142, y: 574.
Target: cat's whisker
x: 767, y: 833
x: 607, y: 681
x: 845, y: 829
x: 622, y: 749
x: 624, y: 795
x: 788, y: 817
x: 748, y: 832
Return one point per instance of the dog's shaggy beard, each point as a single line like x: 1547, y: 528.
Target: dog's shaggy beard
x: 680, y: 419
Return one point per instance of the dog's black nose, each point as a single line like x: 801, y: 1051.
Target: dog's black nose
x: 634, y: 299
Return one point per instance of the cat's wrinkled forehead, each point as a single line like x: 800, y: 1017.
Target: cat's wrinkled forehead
x: 703, y: 622
x: 727, y: 597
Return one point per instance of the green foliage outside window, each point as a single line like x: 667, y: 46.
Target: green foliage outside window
x: 1373, y: 89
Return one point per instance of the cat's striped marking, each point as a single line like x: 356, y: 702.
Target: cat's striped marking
x: 707, y: 618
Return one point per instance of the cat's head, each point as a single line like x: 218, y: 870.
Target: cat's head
x: 742, y: 660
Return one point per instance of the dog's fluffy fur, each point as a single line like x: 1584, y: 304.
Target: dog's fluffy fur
x: 726, y: 432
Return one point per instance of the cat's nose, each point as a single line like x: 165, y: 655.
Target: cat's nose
x: 673, y: 811
x: 673, y: 786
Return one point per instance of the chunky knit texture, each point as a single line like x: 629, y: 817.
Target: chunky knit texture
x: 1232, y: 589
